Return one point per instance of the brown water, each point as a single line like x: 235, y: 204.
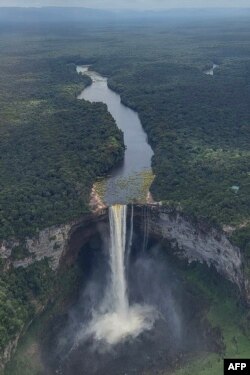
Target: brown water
x: 131, y: 180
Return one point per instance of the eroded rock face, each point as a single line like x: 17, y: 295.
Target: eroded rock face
x: 197, y: 242
x: 10, y: 348
x: 193, y: 240
x: 58, y: 244
x: 51, y: 243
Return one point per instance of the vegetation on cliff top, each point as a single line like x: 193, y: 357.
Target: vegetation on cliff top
x: 51, y: 151
x: 198, y: 125
x: 52, y: 146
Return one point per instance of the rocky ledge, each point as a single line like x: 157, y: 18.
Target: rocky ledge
x: 196, y: 241
x: 191, y: 239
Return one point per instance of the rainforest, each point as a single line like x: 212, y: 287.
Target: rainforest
x: 124, y: 191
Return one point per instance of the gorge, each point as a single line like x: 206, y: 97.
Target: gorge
x: 153, y: 280
x: 117, y: 309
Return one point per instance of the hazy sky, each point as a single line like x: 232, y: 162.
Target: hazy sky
x: 129, y: 4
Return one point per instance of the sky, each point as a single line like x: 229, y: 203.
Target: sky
x: 130, y: 4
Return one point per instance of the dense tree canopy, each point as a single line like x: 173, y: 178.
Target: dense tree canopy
x: 52, y: 146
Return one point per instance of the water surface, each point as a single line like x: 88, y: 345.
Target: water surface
x: 130, y: 181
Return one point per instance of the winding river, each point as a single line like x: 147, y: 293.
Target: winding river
x: 129, y: 181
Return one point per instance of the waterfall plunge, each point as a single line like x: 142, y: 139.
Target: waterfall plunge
x: 118, y: 229
x: 116, y: 320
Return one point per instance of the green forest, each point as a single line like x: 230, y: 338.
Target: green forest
x: 50, y: 155
x: 197, y: 125
x: 54, y: 147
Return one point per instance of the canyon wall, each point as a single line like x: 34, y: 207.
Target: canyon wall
x: 51, y: 243
x: 58, y: 244
x: 190, y: 239
x: 196, y: 241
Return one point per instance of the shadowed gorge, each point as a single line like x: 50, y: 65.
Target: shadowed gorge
x: 188, y: 301
x: 124, y: 200
x: 145, y: 320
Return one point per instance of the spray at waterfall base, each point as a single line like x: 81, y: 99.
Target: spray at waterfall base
x: 115, y: 318
x: 132, y: 312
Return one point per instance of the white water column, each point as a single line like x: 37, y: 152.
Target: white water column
x: 117, y: 220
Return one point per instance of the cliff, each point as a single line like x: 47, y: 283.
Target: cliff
x: 190, y: 239
x: 54, y: 244
x: 196, y: 241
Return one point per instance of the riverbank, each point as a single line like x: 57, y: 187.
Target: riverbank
x: 131, y: 180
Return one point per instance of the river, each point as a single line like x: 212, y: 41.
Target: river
x: 131, y: 180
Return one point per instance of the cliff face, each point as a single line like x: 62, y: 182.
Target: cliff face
x: 51, y: 243
x: 197, y: 242
x: 192, y: 240
x: 5, y: 357
x: 58, y: 244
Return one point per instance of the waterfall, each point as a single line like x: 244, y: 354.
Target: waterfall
x: 145, y: 231
x: 117, y: 220
x: 130, y: 241
x: 116, y: 319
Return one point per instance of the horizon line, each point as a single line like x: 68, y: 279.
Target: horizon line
x: 124, y: 9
